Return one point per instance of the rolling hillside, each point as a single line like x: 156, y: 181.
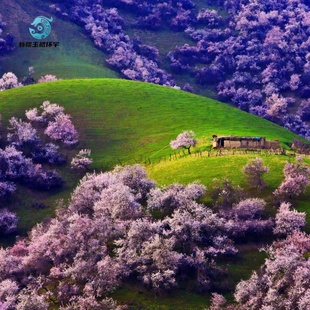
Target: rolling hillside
x: 126, y: 122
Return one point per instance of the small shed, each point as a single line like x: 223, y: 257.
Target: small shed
x: 244, y: 142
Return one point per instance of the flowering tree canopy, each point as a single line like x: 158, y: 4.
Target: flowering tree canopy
x: 119, y: 225
x: 284, y: 280
x: 288, y: 220
x: 296, y: 179
x: 9, y: 80
x: 81, y: 161
x: 184, y: 140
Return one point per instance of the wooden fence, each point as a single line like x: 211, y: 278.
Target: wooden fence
x: 206, y: 153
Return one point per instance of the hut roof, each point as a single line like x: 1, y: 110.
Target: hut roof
x: 235, y: 138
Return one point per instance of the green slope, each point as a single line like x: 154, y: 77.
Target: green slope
x: 123, y: 120
x: 126, y: 122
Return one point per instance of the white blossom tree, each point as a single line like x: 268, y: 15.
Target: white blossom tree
x: 288, y: 220
x: 9, y: 80
x: 62, y: 129
x: 296, y: 179
x: 81, y: 161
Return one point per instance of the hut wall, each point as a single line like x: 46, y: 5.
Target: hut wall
x: 236, y: 142
x: 252, y: 144
x: 232, y: 144
x: 244, y: 143
x: 263, y: 142
x: 273, y: 144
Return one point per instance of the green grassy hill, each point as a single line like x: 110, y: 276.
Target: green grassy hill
x: 126, y: 122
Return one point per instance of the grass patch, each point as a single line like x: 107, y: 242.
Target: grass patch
x: 205, y: 169
x: 137, y: 298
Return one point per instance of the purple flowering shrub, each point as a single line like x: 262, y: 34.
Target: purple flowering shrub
x: 25, y: 151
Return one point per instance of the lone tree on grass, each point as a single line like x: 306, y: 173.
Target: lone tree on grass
x: 184, y: 140
x: 254, y: 171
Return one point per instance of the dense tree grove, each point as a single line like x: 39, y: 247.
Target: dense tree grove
x: 119, y: 225
x: 255, y: 54
x: 283, y: 281
x: 133, y: 59
x: 260, y: 55
x: 26, y: 158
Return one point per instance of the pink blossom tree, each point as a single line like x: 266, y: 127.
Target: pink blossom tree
x: 81, y: 161
x: 21, y: 133
x: 33, y: 115
x: 288, y: 220
x: 47, y: 78
x: 218, y: 302
x: 51, y: 110
x: 172, y: 197
x: 9, y: 80
x: 62, y: 128
x: 296, y: 179
x: 8, y: 294
x: 276, y: 106
x: 184, y: 140
x: 48, y: 113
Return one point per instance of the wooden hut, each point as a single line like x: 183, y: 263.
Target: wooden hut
x: 234, y: 142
